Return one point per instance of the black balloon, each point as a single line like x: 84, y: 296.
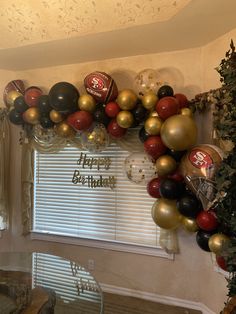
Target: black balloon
x: 63, y: 97
x: 165, y: 91
x: 15, y: 117
x: 143, y: 135
x: 171, y: 189
x: 20, y: 104
x: 46, y: 122
x: 189, y: 206
x: 139, y: 113
x: 44, y: 104
x: 100, y: 115
x: 202, y: 238
x: 177, y: 155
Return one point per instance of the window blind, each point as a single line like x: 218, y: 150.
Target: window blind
x: 122, y: 214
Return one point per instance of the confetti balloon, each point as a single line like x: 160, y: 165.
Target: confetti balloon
x: 139, y: 168
x: 95, y: 139
x: 147, y: 81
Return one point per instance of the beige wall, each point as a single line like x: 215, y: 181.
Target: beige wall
x: 191, y: 275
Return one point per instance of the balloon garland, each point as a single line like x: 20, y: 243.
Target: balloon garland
x: 182, y: 177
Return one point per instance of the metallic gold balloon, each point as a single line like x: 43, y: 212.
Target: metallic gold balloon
x: 165, y: 165
x: 179, y: 132
x: 153, y: 114
x: 31, y: 115
x: 153, y: 125
x: 125, y: 119
x: 149, y: 101
x: 56, y: 116
x: 65, y: 130
x: 11, y: 96
x: 217, y: 242
x: 189, y: 224
x: 165, y: 213
x: 127, y: 99
x: 186, y: 112
x: 87, y: 103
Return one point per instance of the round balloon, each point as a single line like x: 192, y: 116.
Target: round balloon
x: 154, y: 146
x: 100, y: 115
x: 20, y: 104
x: 182, y: 99
x: 80, y: 120
x: 15, y: 117
x: 127, y: 99
x: 202, y: 238
x: 165, y: 91
x: 167, y: 107
x: 165, y: 165
x: 44, y: 104
x: 143, y: 135
x: 63, y: 97
x: 171, y: 189
x: 189, y: 224
x: 112, y: 109
x: 87, y: 103
x: 147, y: 81
x: 139, y: 168
x: 31, y: 115
x: 189, y: 206
x: 153, y: 187
x: 207, y: 220
x: 95, y: 139
x: 218, y: 242
x: 149, y: 101
x: 32, y: 95
x: 115, y: 130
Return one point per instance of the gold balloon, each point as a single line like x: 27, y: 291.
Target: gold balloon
x: 127, y: 99
x: 165, y: 165
x: 186, y: 112
x: 31, y: 115
x: 149, y: 101
x: 11, y: 96
x: 179, y: 132
x: 87, y: 103
x: 153, y: 114
x: 217, y: 242
x: 65, y: 130
x: 56, y: 116
x: 153, y: 125
x: 165, y: 214
x: 125, y: 119
x: 189, y: 224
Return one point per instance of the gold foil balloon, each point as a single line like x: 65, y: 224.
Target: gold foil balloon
x: 31, y: 115
x: 165, y: 165
x: 11, y: 97
x: 127, y: 99
x: 125, y: 119
x: 153, y: 114
x: 189, y: 224
x: 149, y: 101
x: 95, y: 139
x: 87, y: 103
x: 153, y: 125
x: 186, y: 112
x: 217, y: 242
x: 56, y: 116
x: 165, y: 214
x: 65, y: 130
x: 199, y: 167
x: 139, y: 168
x: 147, y: 81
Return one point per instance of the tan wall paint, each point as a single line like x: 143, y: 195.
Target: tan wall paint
x: 191, y: 276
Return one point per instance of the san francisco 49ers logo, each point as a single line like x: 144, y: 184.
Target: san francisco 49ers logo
x: 95, y: 83
x: 200, y: 159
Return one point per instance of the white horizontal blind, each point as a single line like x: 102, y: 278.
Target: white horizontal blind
x: 122, y: 214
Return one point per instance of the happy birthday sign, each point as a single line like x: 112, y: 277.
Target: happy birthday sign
x: 93, y: 163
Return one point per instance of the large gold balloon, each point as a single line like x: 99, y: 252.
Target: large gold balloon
x: 65, y: 130
x: 153, y: 125
x: 87, y: 103
x: 127, y: 99
x: 11, y: 97
x: 56, y: 116
x: 217, y: 242
x: 189, y: 224
x: 149, y: 101
x: 165, y: 165
x: 165, y: 214
x: 31, y: 115
x: 179, y: 132
x: 125, y: 119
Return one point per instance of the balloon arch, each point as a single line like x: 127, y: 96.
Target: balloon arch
x: 180, y: 175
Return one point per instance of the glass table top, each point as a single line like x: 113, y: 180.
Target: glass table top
x: 42, y: 283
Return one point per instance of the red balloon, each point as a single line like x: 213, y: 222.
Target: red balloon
x: 177, y: 176
x: 207, y: 220
x: 153, y: 187
x: 112, y: 109
x: 80, y: 120
x: 154, y: 147
x: 115, y: 130
x: 167, y: 106
x: 183, y: 100
x: 221, y: 262
x: 32, y: 95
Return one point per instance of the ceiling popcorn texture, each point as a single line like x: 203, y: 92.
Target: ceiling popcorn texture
x: 25, y: 22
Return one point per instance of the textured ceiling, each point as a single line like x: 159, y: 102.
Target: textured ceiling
x: 24, y: 22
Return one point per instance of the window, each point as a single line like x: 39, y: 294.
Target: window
x: 120, y: 215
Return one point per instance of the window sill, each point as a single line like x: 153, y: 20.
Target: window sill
x: 107, y: 245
